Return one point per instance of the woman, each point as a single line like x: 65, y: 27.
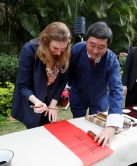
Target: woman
x: 42, y: 76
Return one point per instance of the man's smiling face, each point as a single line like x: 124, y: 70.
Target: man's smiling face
x: 96, y: 47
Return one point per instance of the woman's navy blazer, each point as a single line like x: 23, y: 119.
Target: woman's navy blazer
x: 32, y: 80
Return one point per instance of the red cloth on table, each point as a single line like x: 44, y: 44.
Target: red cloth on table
x: 78, y: 142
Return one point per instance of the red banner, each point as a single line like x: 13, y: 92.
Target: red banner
x: 78, y: 142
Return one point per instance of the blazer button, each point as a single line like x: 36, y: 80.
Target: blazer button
x: 51, y: 91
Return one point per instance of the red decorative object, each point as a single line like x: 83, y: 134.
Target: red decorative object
x: 63, y: 102
x: 64, y: 98
x: 65, y: 94
x: 79, y: 142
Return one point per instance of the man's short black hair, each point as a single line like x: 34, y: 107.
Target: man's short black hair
x: 100, y: 30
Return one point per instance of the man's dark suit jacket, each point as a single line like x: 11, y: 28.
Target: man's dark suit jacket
x: 130, y: 70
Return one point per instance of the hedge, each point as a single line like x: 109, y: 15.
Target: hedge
x: 8, y: 68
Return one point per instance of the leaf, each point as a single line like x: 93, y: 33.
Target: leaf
x: 30, y: 23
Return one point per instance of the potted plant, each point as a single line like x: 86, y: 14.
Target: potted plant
x: 64, y: 99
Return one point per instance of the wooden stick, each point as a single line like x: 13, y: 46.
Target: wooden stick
x: 100, y: 118
x: 102, y: 115
x: 45, y: 107
x: 93, y: 135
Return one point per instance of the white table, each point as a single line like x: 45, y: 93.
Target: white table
x: 38, y: 147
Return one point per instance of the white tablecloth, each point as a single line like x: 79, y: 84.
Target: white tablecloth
x: 38, y: 147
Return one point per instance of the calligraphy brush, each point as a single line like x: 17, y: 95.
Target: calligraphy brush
x: 47, y: 107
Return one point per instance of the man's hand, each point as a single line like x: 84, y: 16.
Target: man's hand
x: 124, y: 90
x: 105, y: 136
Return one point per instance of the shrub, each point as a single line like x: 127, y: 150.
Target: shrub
x: 122, y: 60
x: 6, y: 95
x: 8, y: 68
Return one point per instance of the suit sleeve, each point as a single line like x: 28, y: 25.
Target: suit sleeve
x: 127, y: 69
x: 25, y: 72
x: 115, y: 94
x: 70, y: 73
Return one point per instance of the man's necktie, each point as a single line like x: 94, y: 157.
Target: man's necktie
x: 92, y: 63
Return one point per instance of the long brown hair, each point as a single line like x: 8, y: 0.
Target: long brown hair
x: 57, y: 31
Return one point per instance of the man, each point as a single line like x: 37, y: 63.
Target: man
x: 98, y: 86
x: 129, y: 78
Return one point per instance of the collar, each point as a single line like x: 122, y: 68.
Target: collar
x: 96, y: 60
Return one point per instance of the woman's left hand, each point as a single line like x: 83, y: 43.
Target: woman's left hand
x: 52, y: 114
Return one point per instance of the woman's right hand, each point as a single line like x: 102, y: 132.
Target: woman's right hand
x: 42, y: 107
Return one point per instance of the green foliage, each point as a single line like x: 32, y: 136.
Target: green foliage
x: 122, y: 60
x: 6, y: 95
x: 7, y: 127
x: 3, y: 120
x: 29, y: 21
x: 26, y: 19
x: 120, y: 15
x: 8, y: 68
